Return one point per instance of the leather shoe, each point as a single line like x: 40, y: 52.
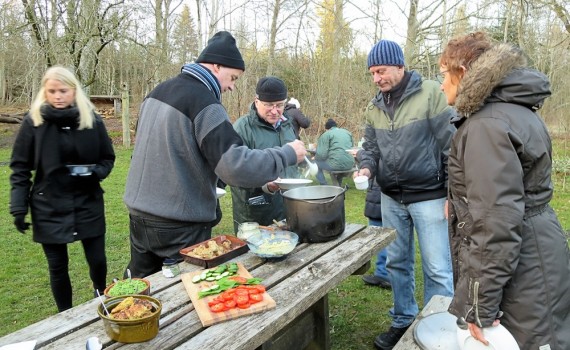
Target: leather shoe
x: 386, y: 341
x: 376, y: 281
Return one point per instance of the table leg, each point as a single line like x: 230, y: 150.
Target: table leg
x: 309, y: 331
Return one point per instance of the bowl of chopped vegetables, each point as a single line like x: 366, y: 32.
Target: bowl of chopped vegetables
x: 272, y: 243
x: 128, y: 286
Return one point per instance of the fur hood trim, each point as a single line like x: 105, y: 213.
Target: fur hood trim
x: 485, y: 74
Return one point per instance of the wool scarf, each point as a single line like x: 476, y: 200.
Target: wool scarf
x: 205, y: 76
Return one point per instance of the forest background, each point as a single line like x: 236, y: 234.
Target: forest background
x: 318, y: 48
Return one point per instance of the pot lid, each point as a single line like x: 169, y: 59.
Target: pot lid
x: 437, y: 332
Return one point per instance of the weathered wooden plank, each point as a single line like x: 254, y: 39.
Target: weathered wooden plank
x: 438, y: 303
x: 297, y: 294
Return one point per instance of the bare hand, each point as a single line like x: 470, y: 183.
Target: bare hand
x: 272, y: 186
x: 477, y: 332
x: 446, y: 210
x: 362, y: 172
x: 300, y: 150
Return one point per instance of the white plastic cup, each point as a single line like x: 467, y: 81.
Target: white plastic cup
x: 361, y: 182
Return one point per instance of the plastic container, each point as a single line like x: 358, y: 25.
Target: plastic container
x: 246, y: 229
x: 170, y: 268
x: 361, y: 182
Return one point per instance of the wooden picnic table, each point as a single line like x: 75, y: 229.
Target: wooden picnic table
x: 299, y: 284
x: 438, y: 303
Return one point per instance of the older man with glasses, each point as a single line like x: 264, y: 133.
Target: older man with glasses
x: 265, y: 126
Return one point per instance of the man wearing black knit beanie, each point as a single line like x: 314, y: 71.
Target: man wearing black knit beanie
x: 185, y: 144
x: 407, y: 137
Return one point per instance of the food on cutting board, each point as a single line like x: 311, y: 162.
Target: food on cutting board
x: 227, y: 283
x: 211, y: 249
x: 132, y: 309
x: 216, y: 273
x: 242, y: 297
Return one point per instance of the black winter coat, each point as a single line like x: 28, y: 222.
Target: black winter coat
x: 64, y: 208
x: 509, y: 251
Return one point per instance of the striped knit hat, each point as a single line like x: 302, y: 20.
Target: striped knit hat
x: 386, y: 53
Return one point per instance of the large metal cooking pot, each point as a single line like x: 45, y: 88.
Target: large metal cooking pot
x: 315, y: 213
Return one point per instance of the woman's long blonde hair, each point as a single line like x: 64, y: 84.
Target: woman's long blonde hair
x: 82, y: 102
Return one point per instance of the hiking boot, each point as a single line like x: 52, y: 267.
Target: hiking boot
x: 376, y: 281
x: 386, y: 341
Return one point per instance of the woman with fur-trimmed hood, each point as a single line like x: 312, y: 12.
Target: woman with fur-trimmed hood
x: 510, y: 255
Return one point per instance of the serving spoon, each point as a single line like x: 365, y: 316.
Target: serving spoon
x: 313, y: 168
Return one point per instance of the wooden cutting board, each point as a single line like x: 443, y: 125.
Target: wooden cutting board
x: 208, y: 317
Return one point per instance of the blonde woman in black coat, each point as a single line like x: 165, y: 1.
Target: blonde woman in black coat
x: 65, y: 201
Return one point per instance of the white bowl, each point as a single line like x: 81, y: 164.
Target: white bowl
x: 287, y: 184
x: 361, y: 182
x: 220, y: 192
x: 499, y: 338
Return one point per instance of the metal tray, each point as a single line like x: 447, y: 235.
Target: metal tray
x: 238, y: 248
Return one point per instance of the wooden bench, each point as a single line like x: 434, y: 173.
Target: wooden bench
x: 438, y: 303
x: 299, y: 284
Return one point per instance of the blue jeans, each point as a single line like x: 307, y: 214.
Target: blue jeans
x: 380, y: 270
x: 428, y: 219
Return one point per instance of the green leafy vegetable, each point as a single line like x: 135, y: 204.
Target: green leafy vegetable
x: 225, y: 284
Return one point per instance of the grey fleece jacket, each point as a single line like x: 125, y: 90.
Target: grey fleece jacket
x: 184, y: 143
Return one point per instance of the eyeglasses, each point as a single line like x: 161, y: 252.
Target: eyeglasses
x: 270, y: 105
x: 441, y: 76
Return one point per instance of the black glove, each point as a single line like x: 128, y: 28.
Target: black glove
x: 20, y: 222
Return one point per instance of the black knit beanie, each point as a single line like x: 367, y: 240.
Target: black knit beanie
x: 222, y: 50
x: 329, y: 124
x: 271, y: 89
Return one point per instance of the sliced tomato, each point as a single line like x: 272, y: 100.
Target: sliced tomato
x: 218, y: 299
x: 255, y: 298
x: 219, y: 307
x: 260, y: 288
x: 244, y: 306
x: 253, y: 291
x: 241, y: 299
x: 213, y: 302
x: 238, y: 279
x: 230, y: 304
x: 227, y: 295
x: 241, y: 292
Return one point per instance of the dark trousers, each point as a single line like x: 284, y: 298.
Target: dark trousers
x: 154, y: 239
x: 58, y: 265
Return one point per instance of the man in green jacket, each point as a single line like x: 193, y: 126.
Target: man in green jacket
x: 331, y: 151
x: 265, y: 126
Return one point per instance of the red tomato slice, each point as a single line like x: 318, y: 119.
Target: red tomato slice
x: 241, y: 292
x: 255, y: 298
x: 241, y: 299
x: 230, y: 304
x: 227, y: 295
x: 244, y: 306
x: 253, y: 291
x: 213, y: 302
x: 260, y: 288
x: 220, y: 307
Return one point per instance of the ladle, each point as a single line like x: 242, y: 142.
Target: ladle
x: 102, y: 302
x: 313, y: 168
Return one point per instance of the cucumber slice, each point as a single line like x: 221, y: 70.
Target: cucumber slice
x: 196, y: 279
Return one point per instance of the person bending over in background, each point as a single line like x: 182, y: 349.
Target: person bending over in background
x: 66, y: 203
x: 331, y: 154
x: 509, y: 251
x: 185, y: 143
x: 265, y: 126
x: 407, y: 139
x: 298, y: 119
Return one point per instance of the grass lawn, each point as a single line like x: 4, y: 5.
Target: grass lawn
x: 358, y: 312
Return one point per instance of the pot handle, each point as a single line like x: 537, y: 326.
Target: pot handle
x: 332, y: 199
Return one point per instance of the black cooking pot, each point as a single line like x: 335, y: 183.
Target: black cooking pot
x: 315, y: 213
